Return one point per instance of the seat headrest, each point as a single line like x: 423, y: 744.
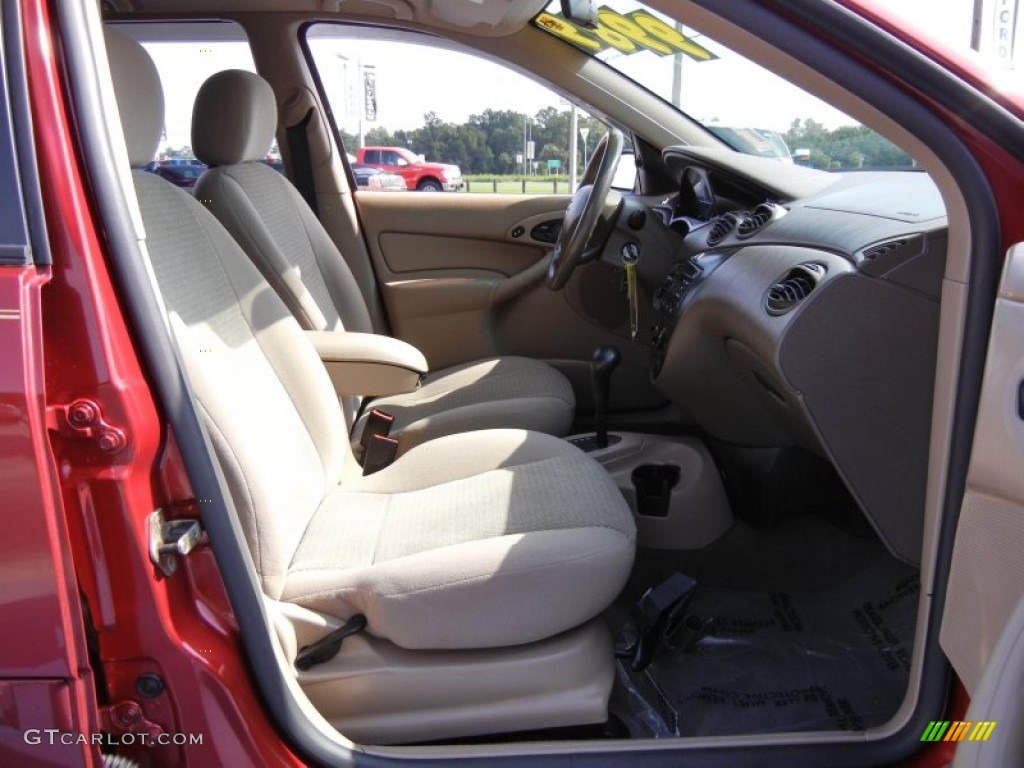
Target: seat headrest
x: 140, y: 97
x: 234, y: 118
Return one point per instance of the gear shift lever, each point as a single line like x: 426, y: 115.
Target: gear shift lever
x: 602, y: 364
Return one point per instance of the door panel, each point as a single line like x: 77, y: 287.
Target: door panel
x: 410, y: 253
x: 987, y: 578
x: 484, y: 216
x: 446, y: 316
x: 446, y: 262
x: 463, y: 279
x: 997, y: 701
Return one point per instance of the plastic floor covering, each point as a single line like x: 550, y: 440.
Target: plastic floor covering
x: 764, y: 662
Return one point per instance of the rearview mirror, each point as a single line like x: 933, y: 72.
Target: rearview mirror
x: 582, y: 12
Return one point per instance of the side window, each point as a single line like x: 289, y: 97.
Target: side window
x: 186, y: 54
x: 372, y: 156
x: 502, y: 131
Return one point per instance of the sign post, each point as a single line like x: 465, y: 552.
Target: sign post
x: 997, y: 25
x: 573, y: 130
x: 370, y: 92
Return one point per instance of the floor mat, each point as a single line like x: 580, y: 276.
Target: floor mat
x: 774, y: 661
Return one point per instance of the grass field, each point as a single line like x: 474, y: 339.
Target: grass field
x: 519, y: 186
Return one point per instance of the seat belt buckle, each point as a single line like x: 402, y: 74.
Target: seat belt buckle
x: 380, y: 452
x: 378, y: 422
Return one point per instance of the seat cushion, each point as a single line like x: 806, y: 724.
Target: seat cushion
x: 478, y: 540
x: 497, y: 393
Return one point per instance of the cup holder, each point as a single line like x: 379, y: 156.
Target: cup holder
x: 654, y: 484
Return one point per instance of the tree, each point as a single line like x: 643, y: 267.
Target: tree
x: 350, y: 141
x: 487, y: 143
x: 848, y: 146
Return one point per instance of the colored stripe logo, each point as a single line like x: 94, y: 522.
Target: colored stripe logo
x: 958, y: 730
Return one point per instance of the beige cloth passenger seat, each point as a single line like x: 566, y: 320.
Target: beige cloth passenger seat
x: 233, y: 124
x: 483, y: 540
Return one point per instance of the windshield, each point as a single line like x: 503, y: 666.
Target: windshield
x: 746, y: 106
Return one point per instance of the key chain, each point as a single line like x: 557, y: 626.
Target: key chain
x: 630, y: 257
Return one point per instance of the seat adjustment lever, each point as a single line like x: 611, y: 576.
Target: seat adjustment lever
x: 327, y: 647
x: 658, y: 616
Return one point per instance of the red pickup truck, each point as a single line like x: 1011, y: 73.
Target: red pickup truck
x: 418, y: 174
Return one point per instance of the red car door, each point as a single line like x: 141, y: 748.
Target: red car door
x: 46, y: 684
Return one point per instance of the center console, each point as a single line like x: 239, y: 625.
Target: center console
x: 671, y: 483
x: 673, y: 487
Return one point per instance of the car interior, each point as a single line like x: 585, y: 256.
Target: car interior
x: 673, y: 480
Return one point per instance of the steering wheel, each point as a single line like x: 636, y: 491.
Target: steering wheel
x: 584, y: 211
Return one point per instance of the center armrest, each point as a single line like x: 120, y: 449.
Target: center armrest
x: 368, y: 364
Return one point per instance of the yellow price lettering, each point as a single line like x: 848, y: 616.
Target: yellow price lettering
x: 666, y: 33
x: 625, y: 26
x: 569, y: 32
x: 616, y: 40
x: 627, y: 34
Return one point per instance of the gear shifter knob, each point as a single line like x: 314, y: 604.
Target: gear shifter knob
x: 606, y: 358
x: 602, y: 364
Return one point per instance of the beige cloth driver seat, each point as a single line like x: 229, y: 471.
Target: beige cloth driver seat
x: 233, y: 125
x: 477, y: 540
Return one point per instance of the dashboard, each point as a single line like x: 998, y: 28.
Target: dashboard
x: 796, y: 307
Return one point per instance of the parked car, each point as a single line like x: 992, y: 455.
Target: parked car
x: 178, y: 161
x: 369, y: 178
x: 374, y: 178
x: 729, y: 474
x: 754, y: 141
x: 419, y: 175
x: 180, y: 174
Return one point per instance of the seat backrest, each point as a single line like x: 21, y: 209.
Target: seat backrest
x: 268, y: 404
x: 233, y: 123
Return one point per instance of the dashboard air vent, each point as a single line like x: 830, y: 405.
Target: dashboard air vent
x: 721, y: 227
x: 793, y: 288
x: 752, y: 222
x: 882, y: 250
x: 880, y: 258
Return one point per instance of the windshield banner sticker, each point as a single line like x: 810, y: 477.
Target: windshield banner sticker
x: 630, y: 33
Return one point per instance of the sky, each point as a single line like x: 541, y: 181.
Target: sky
x: 413, y: 80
